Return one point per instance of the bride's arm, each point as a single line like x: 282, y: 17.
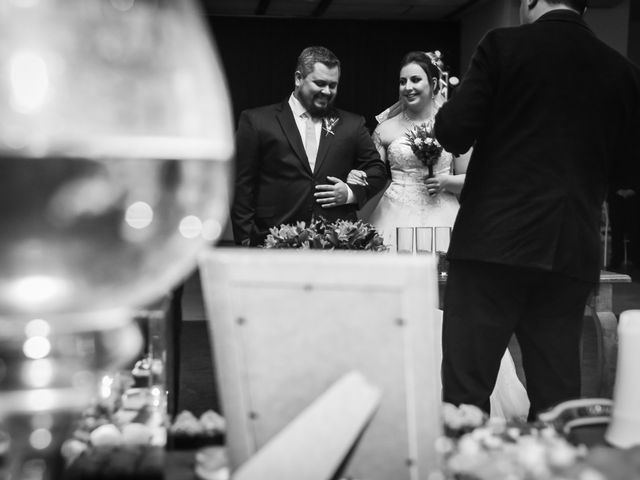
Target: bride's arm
x: 377, y: 141
x: 455, y: 181
x: 358, y: 177
x: 451, y: 182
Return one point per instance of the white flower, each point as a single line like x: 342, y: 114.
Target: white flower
x: 497, y: 425
x: 469, y: 445
x: 531, y: 455
x: 493, y: 442
x: 473, y: 416
x: 591, y: 474
x: 513, y: 433
x: 444, y: 445
x: 561, y: 454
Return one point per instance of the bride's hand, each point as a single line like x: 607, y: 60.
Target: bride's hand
x: 357, y: 177
x: 436, y: 184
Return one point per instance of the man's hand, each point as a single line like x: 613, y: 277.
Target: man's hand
x: 329, y: 196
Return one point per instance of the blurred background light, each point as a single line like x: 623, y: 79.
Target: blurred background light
x: 139, y: 215
x: 36, y: 347
x: 190, y: 227
x: 29, y: 81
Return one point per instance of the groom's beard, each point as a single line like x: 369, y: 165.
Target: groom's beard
x: 317, y: 111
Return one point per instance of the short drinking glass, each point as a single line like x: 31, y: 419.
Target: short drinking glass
x: 404, y: 239
x: 424, y: 240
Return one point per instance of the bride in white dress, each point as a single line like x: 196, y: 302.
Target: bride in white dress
x: 412, y: 199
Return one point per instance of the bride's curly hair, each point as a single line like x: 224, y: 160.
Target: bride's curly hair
x: 424, y: 61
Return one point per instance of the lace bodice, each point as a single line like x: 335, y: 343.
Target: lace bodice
x: 408, y: 174
x: 407, y: 168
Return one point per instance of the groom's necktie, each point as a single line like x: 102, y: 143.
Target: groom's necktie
x: 310, y: 141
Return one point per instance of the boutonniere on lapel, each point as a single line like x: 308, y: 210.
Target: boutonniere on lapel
x: 328, y: 125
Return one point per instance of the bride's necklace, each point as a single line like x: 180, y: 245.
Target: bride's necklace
x: 413, y: 121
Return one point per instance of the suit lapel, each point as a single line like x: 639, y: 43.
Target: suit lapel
x: 290, y: 129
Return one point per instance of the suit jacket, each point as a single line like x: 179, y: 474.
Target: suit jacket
x: 551, y: 112
x: 274, y: 182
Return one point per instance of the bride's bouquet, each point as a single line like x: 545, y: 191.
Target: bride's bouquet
x: 424, y: 145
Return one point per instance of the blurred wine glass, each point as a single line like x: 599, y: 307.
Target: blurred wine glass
x: 115, y: 148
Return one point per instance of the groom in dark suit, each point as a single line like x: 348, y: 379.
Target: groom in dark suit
x: 293, y: 158
x: 552, y: 113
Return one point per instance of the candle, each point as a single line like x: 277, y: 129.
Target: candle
x: 624, y: 429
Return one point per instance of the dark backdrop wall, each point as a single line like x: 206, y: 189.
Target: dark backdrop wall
x: 259, y: 56
x: 634, y: 32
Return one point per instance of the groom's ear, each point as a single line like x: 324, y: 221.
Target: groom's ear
x: 297, y: 78
x: 531, y: 4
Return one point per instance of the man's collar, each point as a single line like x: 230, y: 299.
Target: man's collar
x: 561, y: 14
x: 296, y: 107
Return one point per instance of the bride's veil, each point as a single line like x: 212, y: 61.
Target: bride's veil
x: 439, y: 99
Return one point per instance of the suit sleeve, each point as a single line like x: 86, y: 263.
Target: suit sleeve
x: 246, y: 174
x: 625, y: 168
x: 461, y: 119
x: 625, y: 172
x: 368, y: 159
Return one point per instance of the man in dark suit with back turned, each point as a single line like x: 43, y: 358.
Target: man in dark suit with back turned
x: 293, y: 158
x: 551, y: 112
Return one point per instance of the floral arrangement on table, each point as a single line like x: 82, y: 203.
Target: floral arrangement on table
x: 478, y: 448
x: 324, y: 235
x: 424, y: 145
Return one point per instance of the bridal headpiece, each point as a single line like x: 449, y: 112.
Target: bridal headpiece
x: 444, y: 82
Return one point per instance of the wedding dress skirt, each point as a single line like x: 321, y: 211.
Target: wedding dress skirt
x: 509, y: 399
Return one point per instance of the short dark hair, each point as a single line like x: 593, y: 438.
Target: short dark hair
x: 312, y: 55
x: 579, y: 6
x: 423, y: 61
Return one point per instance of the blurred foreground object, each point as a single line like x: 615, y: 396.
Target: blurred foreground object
x: 115, y: 144
x: 313, y: 317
